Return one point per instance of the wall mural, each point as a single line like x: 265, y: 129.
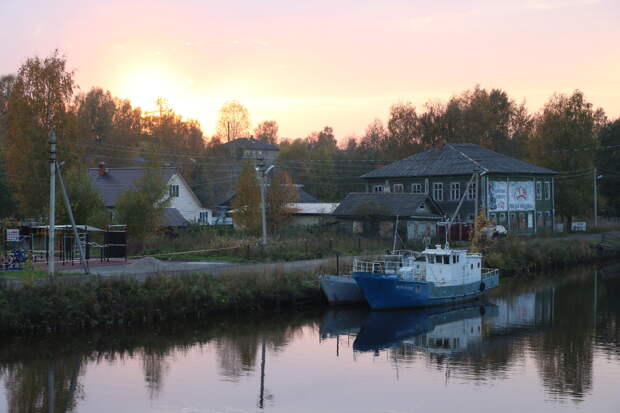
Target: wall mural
x: 513, y: 196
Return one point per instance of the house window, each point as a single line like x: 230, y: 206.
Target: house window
x: 471, y: 217
x: 455, y: 191
x: 174, y: 191
x: 416, y: 188
x: 397, y: 188
x: 540, y: 222
x: 377, y: 188
x: 538, y: 191
x: 438, y: 191
x: 471, y: 191
x: 493, y: 217
x: 547, y: 190
x: 204, y: 217
x: 502, y: 217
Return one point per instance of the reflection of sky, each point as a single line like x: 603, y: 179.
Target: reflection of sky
x: 308, y: 377
x: 311, y: 64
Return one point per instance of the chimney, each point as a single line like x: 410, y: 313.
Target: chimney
x: 102, y: 168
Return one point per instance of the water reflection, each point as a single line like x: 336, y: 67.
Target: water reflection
x: 556, y: 330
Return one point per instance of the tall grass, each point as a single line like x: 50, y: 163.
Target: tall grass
x: 80, y: 304
x: 515, y: 255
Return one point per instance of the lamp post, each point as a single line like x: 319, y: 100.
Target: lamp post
x: 261, y: 174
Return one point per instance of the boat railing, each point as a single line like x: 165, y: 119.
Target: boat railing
x: 376, y: 267
x: 489, y: 272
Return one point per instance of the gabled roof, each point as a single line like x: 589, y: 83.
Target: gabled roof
x: 456, y: 159
x: 303, y: 197
x: 252, y: 143
x: 392, y: 204
x: 118, y: 180
x: 171, y: 217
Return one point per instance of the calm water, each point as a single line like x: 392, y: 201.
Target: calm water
x: 533, y: 346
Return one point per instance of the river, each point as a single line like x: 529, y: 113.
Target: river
x: 535, y: 344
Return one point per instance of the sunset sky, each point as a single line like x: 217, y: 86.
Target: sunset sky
x: 315, y: 63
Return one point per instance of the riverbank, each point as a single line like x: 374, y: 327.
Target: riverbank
x: 520, y: 255
x: 70, y: 304
x: 85, y: 302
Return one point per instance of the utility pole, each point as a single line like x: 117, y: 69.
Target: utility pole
x: 595, y: 206
x: 260, y: 173
x: 52, y: 228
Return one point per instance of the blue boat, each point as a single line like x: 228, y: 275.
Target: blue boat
x: 436, y: 276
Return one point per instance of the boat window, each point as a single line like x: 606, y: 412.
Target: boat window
x: 446, y: 259
x: 472, y: 266
x: 478, y: 265
x: 430, y: 259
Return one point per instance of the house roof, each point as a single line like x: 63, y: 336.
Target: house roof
x: 456, y: 159
x: 252, y: 143
x: 171, y: 217
x: 313, y: 208
x: 118, y: 180
x: 392, y: 204
x: 305, y: 198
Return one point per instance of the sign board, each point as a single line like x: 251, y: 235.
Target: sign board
x: 12, y: 235
x: 578, y: 226
x: 521, y: 195
x: 498, y: 196
x: 513, y: 196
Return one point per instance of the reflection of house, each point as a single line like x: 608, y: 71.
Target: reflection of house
x: 514, y: 193
x: 184, y: 206
x: 372, y: 213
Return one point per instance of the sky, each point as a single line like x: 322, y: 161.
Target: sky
x: 308, y: 64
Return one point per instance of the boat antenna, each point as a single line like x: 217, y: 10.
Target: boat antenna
x: 395, y: 235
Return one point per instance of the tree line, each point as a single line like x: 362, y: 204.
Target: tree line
x: 569, y: 134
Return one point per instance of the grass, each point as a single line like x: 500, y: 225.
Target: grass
x: 68, y: 304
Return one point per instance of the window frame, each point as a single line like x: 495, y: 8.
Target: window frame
x: 539, y: 191
x: 417, y: 186
x: 173, y: 190
x: 455, y: 191
x: 438, y: 190
x: 547, y: 190
x: 401, y: 188
x: 378, y: 189
x: 471, y: 191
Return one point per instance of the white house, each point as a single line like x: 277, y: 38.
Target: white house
x: 184, y: 205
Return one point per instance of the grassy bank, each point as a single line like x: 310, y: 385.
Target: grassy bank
x: 518, y: 255
x: 82, y: 304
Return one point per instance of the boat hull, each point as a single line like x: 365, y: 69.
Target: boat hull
x: 385, y: 291
x: 340, y: 290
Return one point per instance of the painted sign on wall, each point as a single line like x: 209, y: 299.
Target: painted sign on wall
x: 521, y: 195
x: 498, y: 195
x: 513, y: 196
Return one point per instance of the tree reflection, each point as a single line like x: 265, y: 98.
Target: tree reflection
x: 44, y: 375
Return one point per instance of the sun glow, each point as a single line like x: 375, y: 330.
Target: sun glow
x: 143, y: 86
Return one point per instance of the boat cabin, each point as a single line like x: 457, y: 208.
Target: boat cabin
x: 446, y: 266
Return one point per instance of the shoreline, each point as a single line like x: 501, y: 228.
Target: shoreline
x: 36, y: 306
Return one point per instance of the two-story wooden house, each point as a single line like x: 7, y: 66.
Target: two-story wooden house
x: 514, y: 193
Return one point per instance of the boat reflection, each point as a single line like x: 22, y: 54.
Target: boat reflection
x: 438, y: 330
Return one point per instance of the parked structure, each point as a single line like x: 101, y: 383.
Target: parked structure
x: 515, y: 194
x: 372, y: 213
x: 184, y: 205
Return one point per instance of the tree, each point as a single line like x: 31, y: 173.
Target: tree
x: 95, y: 113
x: 39, y: 103
x: 142, y: 208
x: 86, y: 202
x: 608, y: 162
x: 280, y: 195
x: 233, y: 121
x: 246, y: 204
x: 403, y: 138
x: 566, y: 139
x: 267, y: 131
